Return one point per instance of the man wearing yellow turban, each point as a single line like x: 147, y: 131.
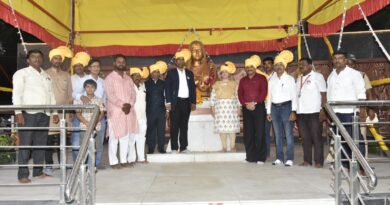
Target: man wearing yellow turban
x: 180, y: 101
x: 155, y: 108
x: 78, y: 64
x: 137, y: 140
x: 224, y: 105
x: 62, y: 89
x: 252, y: 92
x: 281, y: 107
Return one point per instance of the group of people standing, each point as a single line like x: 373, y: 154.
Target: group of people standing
x: 271, y: 99
x: 134, y: 106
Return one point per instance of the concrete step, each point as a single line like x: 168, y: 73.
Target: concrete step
x: 197, y: 157
x: 327, y: 201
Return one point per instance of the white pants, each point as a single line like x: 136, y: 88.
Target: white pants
x: 137, y: 142
x: 113, y: 147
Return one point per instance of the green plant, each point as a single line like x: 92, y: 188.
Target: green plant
x: 7, y: 156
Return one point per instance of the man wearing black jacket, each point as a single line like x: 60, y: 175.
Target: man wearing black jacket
x: 180, y: 101
x: 155, y: 108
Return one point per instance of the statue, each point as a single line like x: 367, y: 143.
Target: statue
x: 204, y: 72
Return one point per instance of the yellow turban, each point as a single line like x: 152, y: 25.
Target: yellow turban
x: 228, y: 67
x: 66, y: 51
x: 62, y: 51
x: 161, y: 66
x: 254, y: 61
x: 144, y: 72
x: 284, y: 57
x: 56, y: 52
x: 81, y: 58
x: 184, y: 53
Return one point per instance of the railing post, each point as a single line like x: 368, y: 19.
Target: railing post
x: 354, y: 183
x: 337, y: 168
x: 82, y: 185
x: 62, y: 159
x: 91, y: 169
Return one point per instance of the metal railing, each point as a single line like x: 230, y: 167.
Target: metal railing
x: 79, y: 186
x: 360, y: 177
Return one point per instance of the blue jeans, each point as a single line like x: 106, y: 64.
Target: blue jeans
x: 282, y: 124
x: 75, y: 138
x: 100, y: 141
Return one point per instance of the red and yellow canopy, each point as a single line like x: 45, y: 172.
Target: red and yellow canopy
x: 157, y: 27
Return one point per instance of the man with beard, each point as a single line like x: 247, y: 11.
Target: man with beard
x: 180, y: 101
x: 62, y: 89
x: 32, y: 86
x: 268, y: 65
x: 345, y: 84
x: 121, y: 116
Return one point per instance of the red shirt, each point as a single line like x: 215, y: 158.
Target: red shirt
x: 252, y: 90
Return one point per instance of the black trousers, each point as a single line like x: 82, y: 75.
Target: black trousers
x: 155, y: 130
x: 254, y: 133
x: 344, y: 118
x: 310, y: 130
x: 51, y: 141
x: 180, y: 114
x: 32, y: 137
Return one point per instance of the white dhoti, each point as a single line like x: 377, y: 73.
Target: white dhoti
x: 113, y: 147
x: 137, y: 143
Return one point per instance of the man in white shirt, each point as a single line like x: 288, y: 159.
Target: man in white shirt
x: 32, y: 86
x: 311, y: 92
x: 78, y: 79
x: 345, y: 84
x: 281, y: 107
x: 180, y: 101
x: 137, y: 140
x: 94, y: 71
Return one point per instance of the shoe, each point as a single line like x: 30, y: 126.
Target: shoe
x: 150, y: 152
x: 317, y: 165
x: 24, y: 180
x: 143, y: 162
x: 305, y: 164
x: 260, y: 162
x: 116, y: 166
x: 173, y: 152
x: 233, y: 150
x: 277, y: 162
x: 186, y: 151
x: 289, y: 163
x: 48, y: 171
x: 162, y: 151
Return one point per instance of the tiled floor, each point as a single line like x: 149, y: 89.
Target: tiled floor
x: 198, y: 182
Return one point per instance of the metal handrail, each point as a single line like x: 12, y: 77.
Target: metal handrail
x: 70, y: 188
x: 351, y: 143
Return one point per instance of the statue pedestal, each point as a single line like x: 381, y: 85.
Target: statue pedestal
x: 201, y: 135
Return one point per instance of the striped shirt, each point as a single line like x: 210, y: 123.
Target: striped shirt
x: 120, y: 90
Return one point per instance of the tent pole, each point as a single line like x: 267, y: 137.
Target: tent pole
x: 71, y: 33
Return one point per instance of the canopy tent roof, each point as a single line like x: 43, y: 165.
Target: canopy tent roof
x: 158, y: 27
